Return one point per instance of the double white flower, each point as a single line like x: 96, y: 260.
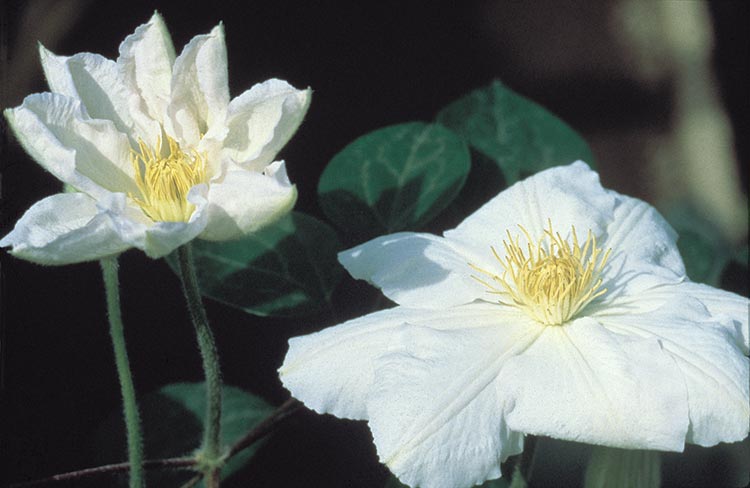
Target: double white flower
x: 559, y: 309
x: 157, y: 152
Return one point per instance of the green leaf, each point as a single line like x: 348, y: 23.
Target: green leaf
x: 172, y: 419
x: 286, y: 269
x: 519, y: 135
x: 702, y: 246
x: 393, y: 179
x: 393, y: 482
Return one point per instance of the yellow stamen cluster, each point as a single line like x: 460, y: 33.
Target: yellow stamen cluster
x: 551, y: 280
x: 164, y: 176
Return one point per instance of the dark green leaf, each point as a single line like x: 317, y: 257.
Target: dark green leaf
x: 286, y: 269
x: 393, y: 179
x: 517, y: 134
x: 172, y: 419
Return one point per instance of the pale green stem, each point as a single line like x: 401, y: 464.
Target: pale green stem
x: 211, y: 450
x: 622, y: 468
x: 523, y: 468
x: 130, y: 407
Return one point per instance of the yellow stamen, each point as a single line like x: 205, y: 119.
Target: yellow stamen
x: 552, y: 280
x: 165, y: 179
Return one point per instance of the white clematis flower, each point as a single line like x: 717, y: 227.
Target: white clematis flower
x: 157, y: 151
x: 558, y: 309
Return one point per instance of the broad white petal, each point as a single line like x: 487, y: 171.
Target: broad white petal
x: 63, y: 229
x: 92, y: 79
x: 146, y: 58
x: 434, y: 410
x: 565, y: 195
x: 711, y: 363
x: 643, y: 253
x: 89, y: 154
x: 245, y: 201
x: 639, y: 234
x: 726, y: 308
x: 156, y: 239
x: 332, y: 371
x: 200, y: 88
x: 262, y: 120
x: 417, y: 270
x: 582, y: 382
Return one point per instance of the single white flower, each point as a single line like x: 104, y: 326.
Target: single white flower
x: 558, y: 309
x: 157, y: 151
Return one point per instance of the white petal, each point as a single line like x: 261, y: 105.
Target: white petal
x: 565, y: 195
x: 62, y: 229
x: 156, y: 239
x: 643, y: 248
x: 200, y: 89
x: 712, y: 365
x: 727, y: 308
x: 92, y: 79
x: 262, y: 120
x: 417, y: 270
x: 583, y: 383
x: 331, y: 371
x: 245, y: 201
x: 89, y: 154
x: 146, y: 58
x: 434, y: 410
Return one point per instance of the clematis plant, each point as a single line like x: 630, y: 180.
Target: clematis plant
x: 559, y: 308
x: 157, y: 155
x: 157, y: 152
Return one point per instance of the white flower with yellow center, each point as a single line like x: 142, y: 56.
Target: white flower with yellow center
x: 558, y: 309
x: 157, y: 151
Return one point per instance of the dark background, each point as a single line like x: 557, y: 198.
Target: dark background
x: 369, y: 65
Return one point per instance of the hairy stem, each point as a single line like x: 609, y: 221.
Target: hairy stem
x: 130, y: 406
x: 211, y: 449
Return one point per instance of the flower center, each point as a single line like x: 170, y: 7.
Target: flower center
x: 551, y: 280
x: 165, y: 176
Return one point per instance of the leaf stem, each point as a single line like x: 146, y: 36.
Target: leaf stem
x: 211, y: 449
x: 130, y: 407
x: 286, y: 410
x: 170, y: 463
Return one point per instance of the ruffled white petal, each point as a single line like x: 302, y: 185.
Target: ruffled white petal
x: 584, y: 383
x: 156, y: 239
x: 95, y: 81
x: 565, y: 195
x: 146, y: 58
x: 434, y: 410
x: 63, y: 229
x: 417, y: 270
x: 89, y: 154
x: 246, y: 201
x: 262, y: 120
x: 712, y: 364
x: 200, y: 89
